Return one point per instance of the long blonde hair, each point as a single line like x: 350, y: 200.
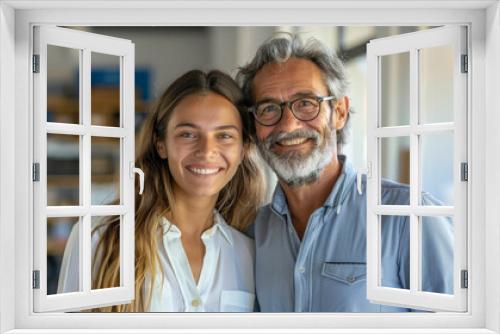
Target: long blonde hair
x: 238, y: 201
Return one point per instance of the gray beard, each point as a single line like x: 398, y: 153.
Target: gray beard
x: 297, y: 169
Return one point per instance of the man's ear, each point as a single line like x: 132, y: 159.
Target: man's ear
x: 341, y: 112
x: 161, y: 148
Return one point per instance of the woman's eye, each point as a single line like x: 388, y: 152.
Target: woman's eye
x: 225, y: 136
x: 187, y: 135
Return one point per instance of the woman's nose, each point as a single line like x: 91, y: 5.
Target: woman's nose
x: 207, y: 147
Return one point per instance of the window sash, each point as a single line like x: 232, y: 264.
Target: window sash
x: 86, y: 43
x: 412, y: 42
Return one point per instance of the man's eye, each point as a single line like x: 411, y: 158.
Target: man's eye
x: 306, y: 103
x: 268, y: 109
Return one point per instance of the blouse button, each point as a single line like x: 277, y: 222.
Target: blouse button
x: 195, y: 302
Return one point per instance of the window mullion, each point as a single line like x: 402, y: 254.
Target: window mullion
x: 414, y: 170
x: 86, y: 172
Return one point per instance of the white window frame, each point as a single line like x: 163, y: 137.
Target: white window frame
x: 16, y: 21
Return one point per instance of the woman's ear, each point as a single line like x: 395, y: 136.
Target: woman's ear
x: 161, y: 148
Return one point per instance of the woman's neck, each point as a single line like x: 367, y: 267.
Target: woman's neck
x: 192, y: 214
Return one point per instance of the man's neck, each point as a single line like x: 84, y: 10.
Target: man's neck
x: 303, y: 200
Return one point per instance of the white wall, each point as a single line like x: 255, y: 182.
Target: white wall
x: 7, y: 168
x: 492, y: 141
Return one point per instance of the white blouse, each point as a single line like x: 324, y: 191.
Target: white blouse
x: 226, y: 282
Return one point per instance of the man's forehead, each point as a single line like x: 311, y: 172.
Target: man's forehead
x: 286, y: 77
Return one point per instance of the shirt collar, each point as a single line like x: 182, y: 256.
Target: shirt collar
x: 336, y: 196
x: 171, y: 231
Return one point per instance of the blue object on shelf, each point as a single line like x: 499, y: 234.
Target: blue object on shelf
x: 109, y: 77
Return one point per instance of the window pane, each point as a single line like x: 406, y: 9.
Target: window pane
x: 395, y: 169
x: 437, y: 242
x: 436, y: 84
x: 395, y: 89
x: 63, y: 169
x: 105, y: 90
x: 105, y: 170
x: 395, y: 262
x: 58, y: 233
x: 437, y: 168
x: 63, y: 85
x: 106, y: 275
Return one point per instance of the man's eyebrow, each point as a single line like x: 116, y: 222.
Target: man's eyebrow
x: 296, y: 95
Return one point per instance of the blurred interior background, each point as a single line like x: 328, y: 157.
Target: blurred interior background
x: 164, y: 53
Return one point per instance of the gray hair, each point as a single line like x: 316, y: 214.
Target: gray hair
x: 284, y: 46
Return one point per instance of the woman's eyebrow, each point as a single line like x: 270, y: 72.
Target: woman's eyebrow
x: 220, y: 127
x: 190, y: 125
x: 227, y: 127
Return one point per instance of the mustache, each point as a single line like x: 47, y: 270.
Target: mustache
x: 275, y: 138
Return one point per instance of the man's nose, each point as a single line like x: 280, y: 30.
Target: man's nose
x: 288, y: 121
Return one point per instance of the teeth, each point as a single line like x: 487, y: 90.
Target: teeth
x: 289, y: 142
x: 204, y: 171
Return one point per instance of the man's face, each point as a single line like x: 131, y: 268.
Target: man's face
x: 297, y: 150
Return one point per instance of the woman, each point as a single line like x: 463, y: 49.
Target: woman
x: 196, y: 152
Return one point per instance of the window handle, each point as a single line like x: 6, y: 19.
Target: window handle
x: 361, y: 171
x: 133, y: 171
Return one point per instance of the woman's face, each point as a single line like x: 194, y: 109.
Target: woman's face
x: 203, y: 144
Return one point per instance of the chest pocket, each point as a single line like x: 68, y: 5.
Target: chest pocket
x: 236, y: 301
x: 345, y: 272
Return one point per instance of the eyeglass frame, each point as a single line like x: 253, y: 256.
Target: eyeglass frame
x: 319, y: 99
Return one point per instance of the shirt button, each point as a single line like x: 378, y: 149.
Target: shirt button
x: 351, y: 279
x: 195, y: 302
x: 302, y: 270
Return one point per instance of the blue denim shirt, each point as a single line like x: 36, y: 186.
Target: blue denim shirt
x: 326, y: 271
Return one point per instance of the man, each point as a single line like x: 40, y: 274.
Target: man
x: 311, y: 239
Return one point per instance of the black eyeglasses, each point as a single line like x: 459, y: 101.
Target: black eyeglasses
x: 305, y: 108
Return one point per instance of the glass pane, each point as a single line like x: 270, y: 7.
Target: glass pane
x: 437, y: 254
x: 395, y: 249
x: 436, y: 84
x: 105, y: 90
x: 436, y: 167
x: 106, y: 275
x: 62, y: 280
x: 105, y: 170
x: 63, y: 84
x: 63, y: 169
x: 395, y: 89
x: 395, y: 169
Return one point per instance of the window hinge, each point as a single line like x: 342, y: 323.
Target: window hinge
x: 36, y: 172
x: 465, y: 64
x: 465, y: 279
x: 464, y: 171
x: 36, y: 279
x: 36, y: 63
